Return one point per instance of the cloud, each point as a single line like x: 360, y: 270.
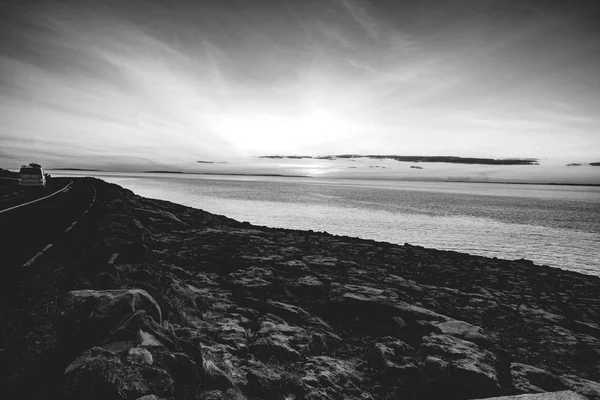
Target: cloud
x: 173, y: 81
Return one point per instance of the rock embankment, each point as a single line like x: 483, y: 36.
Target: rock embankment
x: 172, y: 302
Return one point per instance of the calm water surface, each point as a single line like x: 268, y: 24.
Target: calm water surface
x: 550, y: 225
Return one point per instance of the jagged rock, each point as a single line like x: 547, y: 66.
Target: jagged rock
x: 585, y: 387
x: 325, y: 376
x: 317, y: 261
x: 394, y: 362
x: 88, y: 315
x: 270, y: 382
x: 250, y: 282
x: 280, y: 341
x: 230, y: 394
x: 464, y: 330
x: 143, y: 330
x: 404, y: 285
x: 102, y: 375
x: 377, y: 304
x: 307, y: 287
x: 529, y: 379
x: 140, y: 355
x: 181, y: 367
x: 290, y: 313
x: 148, y: 397
x: 215, y: 377
x: 228, y: 331
x: 459, y: 368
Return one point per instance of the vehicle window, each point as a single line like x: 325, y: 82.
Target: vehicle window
x: 30, y: 171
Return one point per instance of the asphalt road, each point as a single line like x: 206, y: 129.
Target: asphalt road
x: 26, y: 230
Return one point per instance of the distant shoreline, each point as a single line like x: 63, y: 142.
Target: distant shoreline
x: 374, y: 179
x: 225, y: 174
x: 75, y: 169
x: 163, y: 172
x: 530, y: 183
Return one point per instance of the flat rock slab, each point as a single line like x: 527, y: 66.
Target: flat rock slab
x: 563, y: 395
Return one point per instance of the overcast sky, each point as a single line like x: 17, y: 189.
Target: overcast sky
x: 115, y: 83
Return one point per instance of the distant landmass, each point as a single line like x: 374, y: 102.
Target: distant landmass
x: 76, y: 169
x: 593, y: 164
x: 430, y: 159
x: 240, y: 174
x: 163, y: 172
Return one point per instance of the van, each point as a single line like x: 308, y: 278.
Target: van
x: 32, y: 175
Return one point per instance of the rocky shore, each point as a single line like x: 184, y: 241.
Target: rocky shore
x: 160, y: 301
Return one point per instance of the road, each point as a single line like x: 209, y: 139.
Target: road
x: 26, y: 230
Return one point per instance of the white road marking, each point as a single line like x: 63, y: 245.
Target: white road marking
x: 71, y: 227
x: 113, y: 258
x: 36, y: 200
x: 49, y: 246
x: 32, y: 260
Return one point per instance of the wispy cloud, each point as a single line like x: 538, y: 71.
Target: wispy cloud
x: 236, y: 78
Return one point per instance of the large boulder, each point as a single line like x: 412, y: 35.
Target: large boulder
x: 278, y: 340
x: 98, y: 374
x: 89, y: 315
x: 144, y: 331
x: 307, y: 287
x: 457, y: 368
x: 371, y: 303
x: 585, y: 387
x: 464, y: 330
x: 394, y: 362
x: 327, y: 377
x: 530, y: 379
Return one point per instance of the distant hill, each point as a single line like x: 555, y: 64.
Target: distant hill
x: 429, y: 159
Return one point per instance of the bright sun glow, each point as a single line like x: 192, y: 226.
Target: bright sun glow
x: 272, y: 132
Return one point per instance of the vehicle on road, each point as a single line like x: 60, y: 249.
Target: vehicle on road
x: 32, y: 175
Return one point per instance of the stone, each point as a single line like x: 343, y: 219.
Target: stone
x: 88, y: 315
x: 250, y: 283
x: 307, y: 287
x: 324, y: 377
x: 585, y: 387
x: 290, y: 313
x: 376, y: 304
x: 99, y: 374
x: 140, y: 355
x: 143, y: 330
x: 464, y: 330
x: 530, y: 379
x: 458, y: 367
x: 278, y: 340
x: 215, y: 377
x: 228, y: 331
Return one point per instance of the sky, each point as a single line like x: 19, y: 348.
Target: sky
x: 162, y: 84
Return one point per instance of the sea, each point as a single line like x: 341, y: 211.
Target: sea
x: 552, y: 225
